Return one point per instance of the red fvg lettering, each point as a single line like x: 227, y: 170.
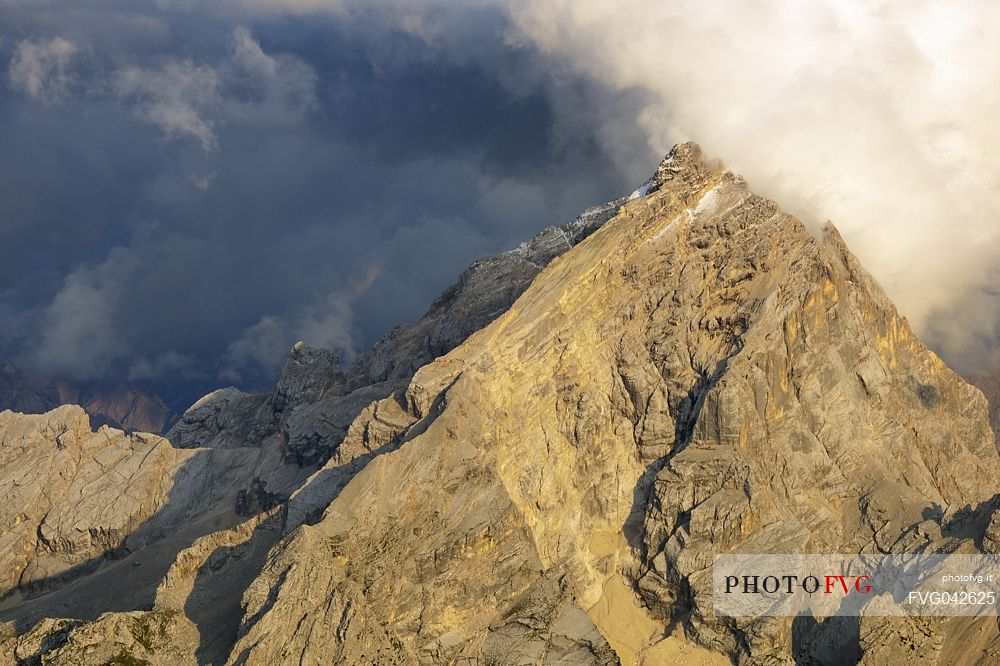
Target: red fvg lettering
x: 829, y: 583
x: 833, y: 582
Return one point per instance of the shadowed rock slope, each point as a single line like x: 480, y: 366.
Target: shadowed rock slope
x: 989, y: 384
x: 699, y: 375
x: 90, y: 521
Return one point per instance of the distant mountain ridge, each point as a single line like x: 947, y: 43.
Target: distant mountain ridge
x: 989, y: 384
x: 119, y: 404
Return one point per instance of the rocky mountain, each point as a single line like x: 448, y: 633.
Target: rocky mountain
x: 92, y: 520
x: 329, y: 405
x: 118, y: 404
x: 540, y: 471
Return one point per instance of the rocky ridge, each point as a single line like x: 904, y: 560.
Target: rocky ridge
x: 79, y: 507
x: 696, y: 374
x: 230, y: 418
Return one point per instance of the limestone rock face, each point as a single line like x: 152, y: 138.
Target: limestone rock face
x: 695, y: 373
x: 699, y: 376
x: 69, y: 494
x: 90, y: 520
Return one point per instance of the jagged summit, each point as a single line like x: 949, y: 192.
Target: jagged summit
x: 683, y: 158
x: 230, y: 418
x: 697, y: 374
x: 309, y: 375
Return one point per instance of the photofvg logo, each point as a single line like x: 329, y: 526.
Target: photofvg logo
x: 828, y: 585
x: 789, y: 584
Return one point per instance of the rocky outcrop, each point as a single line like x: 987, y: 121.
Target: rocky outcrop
x: 229, y: 418
x: 120, y: 639
x: 117, y: 404
x: 224, y: 419
x: 309, y: 375
x: 89, y: 521
x: 71, y: 496
x: 698, y: 375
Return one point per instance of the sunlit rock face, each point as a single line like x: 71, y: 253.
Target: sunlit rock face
x: 542, y: 469
x: 701, y: 375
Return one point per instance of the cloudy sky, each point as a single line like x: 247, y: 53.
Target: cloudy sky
x: 187, y: 188
x: 186, y: 191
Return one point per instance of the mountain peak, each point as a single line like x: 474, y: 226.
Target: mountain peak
x: 310, y: 373
x: 711, y: 378
x: 682, y: 158
x: 548, y: 462
x: 688, y: 153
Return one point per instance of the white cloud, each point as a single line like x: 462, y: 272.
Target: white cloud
x: 250, y: 87
x: 329, y: 324
x: 878, y: 115
x: 262, y: 89
x: 41, y: 69
x: 80, y: 338
x: 248, y: 54
x: 180, y: 98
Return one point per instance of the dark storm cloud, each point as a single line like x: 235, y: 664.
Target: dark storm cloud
x: 183, y: 193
